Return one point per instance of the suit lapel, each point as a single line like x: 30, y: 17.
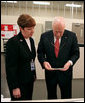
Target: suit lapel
x: 31, y: 44
x: 24, y: 43
x: 63, y: 41
x: 51, y: 38
x: 51, y: 41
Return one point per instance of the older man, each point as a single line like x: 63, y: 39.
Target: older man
x: 57, y: 52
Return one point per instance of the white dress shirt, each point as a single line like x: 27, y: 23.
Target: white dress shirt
x: 55, y: 40
x: 28, y: 43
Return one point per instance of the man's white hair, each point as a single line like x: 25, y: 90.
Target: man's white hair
x: 58, y: 20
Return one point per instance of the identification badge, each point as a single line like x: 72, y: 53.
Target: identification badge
x: 32, y: 65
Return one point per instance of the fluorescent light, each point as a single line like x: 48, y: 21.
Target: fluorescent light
x: 41, y: 3
x: 3, y: 1
x: 72, y: 5
x: 10, y: 1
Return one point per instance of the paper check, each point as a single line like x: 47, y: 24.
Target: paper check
x: 57, y: 68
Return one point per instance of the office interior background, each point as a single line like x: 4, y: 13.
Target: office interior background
x: 72, y: 11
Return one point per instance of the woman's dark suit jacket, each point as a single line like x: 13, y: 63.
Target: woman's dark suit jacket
x: 18, y: 58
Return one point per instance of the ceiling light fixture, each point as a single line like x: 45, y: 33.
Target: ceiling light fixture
x: 10, y: 1
x: 41, y: 3
x: 72, y: 5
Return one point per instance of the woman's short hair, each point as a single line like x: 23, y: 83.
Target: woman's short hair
x: 26, y: 20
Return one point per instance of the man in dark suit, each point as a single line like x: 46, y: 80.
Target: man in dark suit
x: 20, y: 57
x: 57, y: 52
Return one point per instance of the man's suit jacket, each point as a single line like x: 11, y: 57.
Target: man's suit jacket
x: 68, y: 50
x: 18, y: 58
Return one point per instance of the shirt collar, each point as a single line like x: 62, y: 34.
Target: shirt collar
x: 55, y: 39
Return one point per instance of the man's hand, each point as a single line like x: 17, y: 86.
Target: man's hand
x: 47, y: 66
x: 16, y: 93
x: 66, y: 66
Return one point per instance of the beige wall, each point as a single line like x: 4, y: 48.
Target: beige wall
x: 40, y: 27
x: 78, y: 70
x: 13, y: 20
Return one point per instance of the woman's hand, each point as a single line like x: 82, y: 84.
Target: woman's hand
x: 17, y: 93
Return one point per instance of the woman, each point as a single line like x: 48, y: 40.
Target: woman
x: 20, y: 57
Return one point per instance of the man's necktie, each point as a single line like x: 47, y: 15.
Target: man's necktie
x: 57, y: 47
